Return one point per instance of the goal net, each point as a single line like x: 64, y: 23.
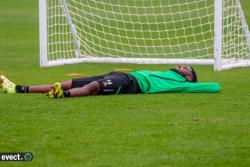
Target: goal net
x: 144, y: 31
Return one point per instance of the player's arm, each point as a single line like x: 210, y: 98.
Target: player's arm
x: 202, y: 87
x: 187, y: 87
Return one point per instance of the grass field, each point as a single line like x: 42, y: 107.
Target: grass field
x: 161, y: 130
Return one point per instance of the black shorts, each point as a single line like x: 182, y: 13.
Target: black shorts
x: 111, y: 83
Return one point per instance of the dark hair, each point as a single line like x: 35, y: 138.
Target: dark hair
x: 194, y: 75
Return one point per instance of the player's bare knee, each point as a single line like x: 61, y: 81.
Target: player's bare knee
x: 93, y: 87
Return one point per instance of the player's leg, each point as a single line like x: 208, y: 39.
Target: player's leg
x: 79, y: 87
x: 10, y: 87
x: 65, y: 85
x: 113, y: 83
x: 80, y: 82
x: 92, y: 88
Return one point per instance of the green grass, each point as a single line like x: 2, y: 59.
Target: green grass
x: 129, y: 130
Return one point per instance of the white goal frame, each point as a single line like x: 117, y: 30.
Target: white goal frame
x: 218, y: 61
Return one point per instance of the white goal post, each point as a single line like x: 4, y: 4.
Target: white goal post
x: 144, y: 31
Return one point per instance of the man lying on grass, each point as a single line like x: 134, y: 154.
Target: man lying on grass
x: 181, y: 79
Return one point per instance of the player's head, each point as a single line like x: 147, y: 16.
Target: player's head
x: 187, y: 72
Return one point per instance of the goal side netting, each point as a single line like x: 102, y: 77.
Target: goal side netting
x: 144, y: 31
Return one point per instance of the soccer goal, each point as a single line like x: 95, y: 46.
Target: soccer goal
x: 144, y: 31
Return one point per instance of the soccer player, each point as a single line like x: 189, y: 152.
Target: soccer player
x: 180, y: 79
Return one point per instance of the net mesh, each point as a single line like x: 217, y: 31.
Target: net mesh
x: 235, y: 33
